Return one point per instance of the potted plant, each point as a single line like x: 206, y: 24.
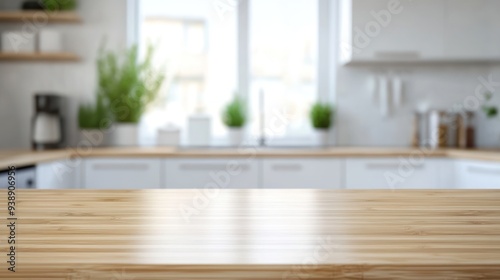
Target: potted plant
x: 129, y: 86
x: 321, y: 119
x: 234, y: 117
x: 491, y: 111
x: 93, y: 120
x: 59, y: 5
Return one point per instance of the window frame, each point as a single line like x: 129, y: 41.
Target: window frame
x: 326, y: 49
x: 327, y: 45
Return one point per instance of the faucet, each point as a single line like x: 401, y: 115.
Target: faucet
x: 262, y: 113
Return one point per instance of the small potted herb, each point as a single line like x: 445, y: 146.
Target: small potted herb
x: 94, y: 121
x: 59, y: 5
x: 129, y: 85
x: 490, y: 110
x: 234, y: 117
x: 321, y: 118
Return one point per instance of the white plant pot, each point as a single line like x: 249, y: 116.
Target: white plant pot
x: 322, y: 137
x: 125, y: 135
x: 236, y: 136
x: 93, y: 137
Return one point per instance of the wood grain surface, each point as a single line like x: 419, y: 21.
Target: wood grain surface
x: 254, y: 234
x: 39, y: 16
x: 33, y: 57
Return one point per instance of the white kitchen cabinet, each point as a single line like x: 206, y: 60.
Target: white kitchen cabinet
x: 392, y: 30
x: 419, y: 31
x: 233, y: 173
x: 393, y: 173
x: 471, y: 29
x: 446, y: 177
x: 302, y: 173
x: 477, y: 175
x: 121, y: 173
x: 58, y: 175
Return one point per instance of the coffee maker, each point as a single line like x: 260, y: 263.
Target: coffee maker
x: 47, y: 124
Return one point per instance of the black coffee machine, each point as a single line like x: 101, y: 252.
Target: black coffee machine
x: 47, y: 132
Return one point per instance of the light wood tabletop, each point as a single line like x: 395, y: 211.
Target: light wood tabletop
x: 253, y: 234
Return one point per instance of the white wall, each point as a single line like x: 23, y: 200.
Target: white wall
x: 19, y: 81
x: 359, y: 120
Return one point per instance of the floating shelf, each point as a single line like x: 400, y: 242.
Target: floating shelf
x: 55, y: 57
x: 423, y: 62
x: 39, y: 16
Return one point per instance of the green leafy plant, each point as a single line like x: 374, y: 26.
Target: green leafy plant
x: 321, y: 116
x: 129, y: 85
x: 490, y: 110
x: 59, y: 5
x: 93, y: 116
x: 234, y: 114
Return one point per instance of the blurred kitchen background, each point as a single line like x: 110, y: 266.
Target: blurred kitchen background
x: 375, y: 63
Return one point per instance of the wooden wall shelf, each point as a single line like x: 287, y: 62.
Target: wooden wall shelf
x: 447, y: 61
x: 55, y: 57
x: 40, y: 16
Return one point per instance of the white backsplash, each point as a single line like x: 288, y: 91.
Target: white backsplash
x: 359, y: 120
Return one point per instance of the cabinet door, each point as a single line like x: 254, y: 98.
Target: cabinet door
x: 235, y: 173
x: 120, y: 173
x: 24, y: 178
x: 300, y: 173
x: 397, y: 30
x: 478, y: 175
x: 58, y: 175
x: 392, y: 173
x: 471, y: 28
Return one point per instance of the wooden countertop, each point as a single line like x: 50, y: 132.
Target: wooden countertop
x: 255, y: 234
x: 24, y: 157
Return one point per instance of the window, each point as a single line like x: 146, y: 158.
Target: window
x: 283, y: 63
x: 207, y: 44
x: 199, y: 51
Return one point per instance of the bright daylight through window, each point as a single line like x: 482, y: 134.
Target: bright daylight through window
x: 198, y: 42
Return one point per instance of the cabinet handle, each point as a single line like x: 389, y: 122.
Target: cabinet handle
x: 287, y: 167
x: 398, y: 55
x: 210, y: 167
x: 484, y: 170
x: 390, y: 166
x: 120, y: 166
